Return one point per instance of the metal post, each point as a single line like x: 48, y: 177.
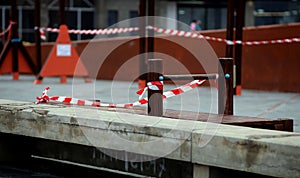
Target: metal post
x: 38, y: 53
x: 62, y: 12
x: 15, y: 38
x: 142, y: 40
x: 63, y: 78
x: 240, y: 20
x: 225, y: 83
x: 230, y: 26
x: 3, y: 26
x: 190, y: 76
x: 79, y: 19
x: 150, y: 31
x: 155, y: 99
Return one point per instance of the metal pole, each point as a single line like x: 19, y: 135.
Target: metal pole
x: 230, y: 26
x: 79, y: 19
x: 3, y: 26
x: 38, y: 53
x: 150, y: 31
x: 240, y: 20
x: 225, y: 83
x: 142, y: 40
x: 14, y: 39
x: 63, y: 78
x: 155, y: 97
x: 62, y: 12
x: 190, y: 77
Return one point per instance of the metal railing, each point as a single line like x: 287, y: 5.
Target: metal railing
x: 224, y: 78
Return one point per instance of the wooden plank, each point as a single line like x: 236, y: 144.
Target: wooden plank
x: 282, y: 124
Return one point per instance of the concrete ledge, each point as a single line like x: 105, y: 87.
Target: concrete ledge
x: 258, y: 151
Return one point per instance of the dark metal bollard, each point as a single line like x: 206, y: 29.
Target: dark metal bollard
x: 240, y: 21
x: 142, y: 39
x: 155, y: 99
x: 225, y: 83
x: 38, y: 53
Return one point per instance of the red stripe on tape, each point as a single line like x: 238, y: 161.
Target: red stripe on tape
x: 67, y: 100
x: 112, y: 105
x: 143, y: 101
x: 54, y: 98
x: 140, y: 91
x: 128, y: 105
x: 177, y: 91
x: 96, y: 104
x: 80, y: 102
x: 194, y: 85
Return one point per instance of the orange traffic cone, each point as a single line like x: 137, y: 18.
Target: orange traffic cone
x: 63, y: 60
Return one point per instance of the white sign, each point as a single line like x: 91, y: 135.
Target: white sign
x: 63, y: 50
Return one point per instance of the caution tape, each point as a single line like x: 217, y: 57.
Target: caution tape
x: 108, y: 31
x: 43, y: 35
x: 172, y: 32
x: 8, y: 28
x: 74, y: 101
x: 155, y: 85
x: 228, y: 42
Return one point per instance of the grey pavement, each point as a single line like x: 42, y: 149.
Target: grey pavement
x: 203, y: 99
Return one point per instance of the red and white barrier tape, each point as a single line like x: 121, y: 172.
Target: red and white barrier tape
x: 74, y: 101
x: 43, y: 35
x: 95, y: 32
x: 182, y: 89
x: 171, y: 32
x: 228, y: 42
x: 155, y: 85
x: 7, y: 29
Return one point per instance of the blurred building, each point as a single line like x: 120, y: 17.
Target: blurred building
x: 90, y: 14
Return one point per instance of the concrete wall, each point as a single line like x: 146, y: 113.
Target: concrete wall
x: 265, y: 67
x: 205, y: 146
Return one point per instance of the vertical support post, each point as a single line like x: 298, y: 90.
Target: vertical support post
x: 38, y: 54
x: 150, y: 31
x: 62, y: 12
x: 155, y: 99
x: 15, y: 39
x: 142, y: 40
x: 225, y: 83
x: 63, y: 79
x: 240, y: 20
x: 79, y: 19
x: 200, y: 171
x: 230, y: 26
x: 3, y: 26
